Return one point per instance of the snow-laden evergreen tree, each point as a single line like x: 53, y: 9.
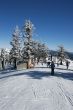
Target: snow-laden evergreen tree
x: 39, y: 50
x: 27, y: 50
x: 45, y: 51
x: 7, y: 51
x: 62, y: 54
x: 42, y: 51
x: 32, y: 49
x: 3, y: 58
x: 15, y: 51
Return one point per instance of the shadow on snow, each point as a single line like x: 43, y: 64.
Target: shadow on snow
x: 40, y: 74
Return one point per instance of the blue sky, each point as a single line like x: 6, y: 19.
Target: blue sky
x: 53, y: 20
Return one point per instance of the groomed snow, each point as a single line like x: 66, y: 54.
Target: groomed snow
x: 36, y: 89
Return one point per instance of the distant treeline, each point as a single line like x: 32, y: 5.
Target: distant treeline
x: 70, y: 54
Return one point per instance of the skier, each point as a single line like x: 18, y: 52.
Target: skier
x: 57, y: 64
x: 52, y: 68
x: 48, y: 63
x: 51, y: 57
x: 67, y: 64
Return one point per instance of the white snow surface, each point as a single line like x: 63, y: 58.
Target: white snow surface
x: 36, y: 89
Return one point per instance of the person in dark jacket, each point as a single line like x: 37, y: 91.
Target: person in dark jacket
x: 48, y: 63
x: 67, y: 64
x: 52, y: 68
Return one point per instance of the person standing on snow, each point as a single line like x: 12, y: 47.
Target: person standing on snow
x: 67, y: 64
x: 52, y: 68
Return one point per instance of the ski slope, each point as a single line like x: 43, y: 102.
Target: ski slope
x: 36, y: 89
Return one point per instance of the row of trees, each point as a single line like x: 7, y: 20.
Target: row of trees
x: 30, y: 49
x: 4, y: 57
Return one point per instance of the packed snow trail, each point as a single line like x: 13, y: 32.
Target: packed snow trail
x: 36, y: 89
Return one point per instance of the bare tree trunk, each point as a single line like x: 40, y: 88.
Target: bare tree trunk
x: 29, y: 63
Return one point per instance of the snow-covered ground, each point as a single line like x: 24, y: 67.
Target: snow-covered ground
x: 58, y: 67
x: 36, y: 89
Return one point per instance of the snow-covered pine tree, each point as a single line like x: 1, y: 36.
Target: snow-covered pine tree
x: 3, y: 58
x: 27, y: 50
x: 62, y: 54
x: 42, y: 51
x: 32, y: 48
x: 15, y: 51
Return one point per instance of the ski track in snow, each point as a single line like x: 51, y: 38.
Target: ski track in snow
x: 28, y: 92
